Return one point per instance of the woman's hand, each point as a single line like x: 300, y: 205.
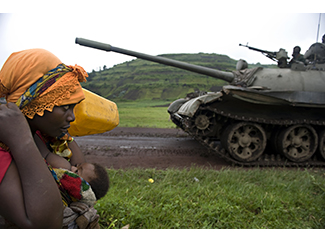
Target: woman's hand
x: 14, y: 126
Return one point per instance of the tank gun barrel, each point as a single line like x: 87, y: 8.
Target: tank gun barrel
x: 226, y: 76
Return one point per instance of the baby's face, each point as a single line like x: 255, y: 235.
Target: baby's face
x: 84, y: 170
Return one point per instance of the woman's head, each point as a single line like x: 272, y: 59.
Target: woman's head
x: 54, y: 123
x: 36, y: 80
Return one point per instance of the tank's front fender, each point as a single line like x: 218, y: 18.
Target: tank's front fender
x: 189, y: 108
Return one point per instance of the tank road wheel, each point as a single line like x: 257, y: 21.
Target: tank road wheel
x: 244, y: 141
x: 298, y: 142
x: 322, y: 144
x: 204, y: 123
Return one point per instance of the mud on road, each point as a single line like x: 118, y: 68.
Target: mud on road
x: 124, y: 148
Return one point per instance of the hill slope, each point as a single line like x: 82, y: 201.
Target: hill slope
x: 144, y: 80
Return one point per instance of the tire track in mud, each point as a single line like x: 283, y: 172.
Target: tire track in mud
x: 124, y: 148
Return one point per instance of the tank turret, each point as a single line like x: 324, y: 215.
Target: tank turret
x: 264, y: 116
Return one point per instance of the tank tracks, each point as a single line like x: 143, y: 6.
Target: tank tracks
x: 266, y: 159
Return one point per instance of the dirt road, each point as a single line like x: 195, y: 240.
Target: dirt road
x: 124, y: 148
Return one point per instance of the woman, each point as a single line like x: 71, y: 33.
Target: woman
x: 41, y: 93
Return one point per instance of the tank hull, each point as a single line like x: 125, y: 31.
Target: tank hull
x: 284, y: 134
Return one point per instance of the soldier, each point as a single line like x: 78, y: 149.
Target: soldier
x: 296, y: 56
x: 323, y: 39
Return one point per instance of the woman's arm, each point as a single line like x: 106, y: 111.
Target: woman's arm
x: 53, y: 159
x: 57, y: 161
x: 29, y: 196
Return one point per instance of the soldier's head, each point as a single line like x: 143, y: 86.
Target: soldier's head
x: 323, y: 39
x: 296, y: 49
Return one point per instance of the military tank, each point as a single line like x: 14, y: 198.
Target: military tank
x: 264, y: 117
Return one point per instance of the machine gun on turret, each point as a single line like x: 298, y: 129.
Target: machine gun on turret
x: 269, y: 54
x: 280, y: 57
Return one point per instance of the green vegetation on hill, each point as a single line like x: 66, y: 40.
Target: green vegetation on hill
x: 145, y: 80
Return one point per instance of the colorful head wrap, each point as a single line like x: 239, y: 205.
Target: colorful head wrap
x: 36, y: 80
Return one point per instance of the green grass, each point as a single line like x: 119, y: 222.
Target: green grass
x: 226, y: 199
x: 144, y: 114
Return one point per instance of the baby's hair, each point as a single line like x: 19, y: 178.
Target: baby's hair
x: 99, y: 184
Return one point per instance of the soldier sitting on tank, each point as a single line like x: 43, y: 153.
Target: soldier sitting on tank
x: 296, y: 56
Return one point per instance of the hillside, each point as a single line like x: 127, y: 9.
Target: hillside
x: 144, y: 80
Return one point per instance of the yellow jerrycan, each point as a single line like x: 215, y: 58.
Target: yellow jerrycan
x: 94, y: 115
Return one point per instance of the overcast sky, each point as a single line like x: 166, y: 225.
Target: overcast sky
x: 158, y: 27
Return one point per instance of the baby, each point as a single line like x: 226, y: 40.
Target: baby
x: 75, y: 179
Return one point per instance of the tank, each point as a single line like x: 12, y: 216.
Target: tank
x: 263, y: 117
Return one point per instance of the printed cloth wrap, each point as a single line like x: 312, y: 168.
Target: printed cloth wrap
x: 73, y: 187
x: 77, y: 195
x: 60, y: 146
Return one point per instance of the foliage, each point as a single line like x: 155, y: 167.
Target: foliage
x: 226, y: 199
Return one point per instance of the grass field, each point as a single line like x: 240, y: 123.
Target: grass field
x: 209, y: 199
x: 144, y: 114
x: 233, y: 198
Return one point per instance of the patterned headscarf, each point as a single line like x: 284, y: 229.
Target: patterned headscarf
x: 36, y: 80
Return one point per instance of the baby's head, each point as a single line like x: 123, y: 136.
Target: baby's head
x: 96, y: 175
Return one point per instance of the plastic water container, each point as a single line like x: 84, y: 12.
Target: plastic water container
x: 94, y: 115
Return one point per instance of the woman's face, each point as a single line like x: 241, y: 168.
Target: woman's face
x: 54, y: 123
